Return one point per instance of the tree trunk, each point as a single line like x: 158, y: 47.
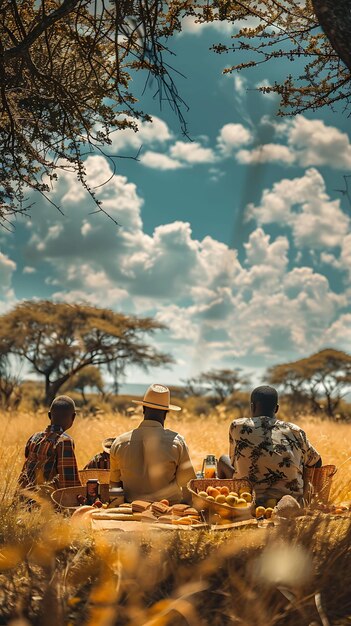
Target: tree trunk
x: 330, y: 411
x: 334, y: 17
x: 115, y: 386
x: 51, y: 388
x: 332, y: 405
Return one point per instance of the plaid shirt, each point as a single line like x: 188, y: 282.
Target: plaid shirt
x: 99, y: 461
x: 50, y: 458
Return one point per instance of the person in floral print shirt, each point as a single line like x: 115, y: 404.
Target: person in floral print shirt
x: 270, y: 453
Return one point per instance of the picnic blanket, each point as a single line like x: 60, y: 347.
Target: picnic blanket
x: 136, y: 526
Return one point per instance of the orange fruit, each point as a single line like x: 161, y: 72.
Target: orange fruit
x: 247, y: 496
x: 260, y: 511
x: 220, y: 498
x: 241, y: 503
x: 215, y: 493
x: 203, y: 494
x: 231, y: 500
x: 224, y: 490
x: 268, y: 512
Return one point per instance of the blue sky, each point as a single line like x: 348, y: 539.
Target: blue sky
x: 237, y: 240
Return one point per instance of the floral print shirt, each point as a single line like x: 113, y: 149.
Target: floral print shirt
x: 271, y: 454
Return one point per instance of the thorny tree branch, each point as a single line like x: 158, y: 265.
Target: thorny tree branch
x: 65, y: 69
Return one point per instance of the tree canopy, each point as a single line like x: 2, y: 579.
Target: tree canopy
x: 66, y: 68
x: 88, y: 377
x: 324, y: 376
x: 59, y: 339
x: 315, y: 31
x: 220, y: 383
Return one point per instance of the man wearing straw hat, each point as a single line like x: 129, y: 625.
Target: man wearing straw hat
x: 152, y: 462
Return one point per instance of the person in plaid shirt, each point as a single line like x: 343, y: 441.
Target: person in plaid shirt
x: 50, y: 457
x: 102, y: 459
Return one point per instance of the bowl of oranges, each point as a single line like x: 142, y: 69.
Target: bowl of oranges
x: 232, y: 499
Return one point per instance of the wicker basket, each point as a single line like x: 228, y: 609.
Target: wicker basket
x: 67, y: 498
x: 317, y: 483
x: 103, y: 475
x: 224, y: 510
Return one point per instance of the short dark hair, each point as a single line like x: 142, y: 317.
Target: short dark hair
x: 62, y: 405
x: 151, y: 413
x: 266, y: 397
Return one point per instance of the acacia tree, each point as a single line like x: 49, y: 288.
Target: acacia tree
x: 9, y: 382
x: 66, y: 67
x: 60, y: 339
x: 117, y: 370
x: 317, y: 31
x: 88, y: 377
x: 325, y: 376
x: 220, y: 383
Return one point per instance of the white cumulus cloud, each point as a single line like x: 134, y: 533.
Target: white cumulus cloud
x: 232, y: 136
x: 148, y: 133
x: 303, y: 204
x: 316, y: 143
x: 219, y: 307
x: 266, y: 153
x: 7, y: 269
x: 192, y: 152
x: 160, y: 161
x: 309, y: 143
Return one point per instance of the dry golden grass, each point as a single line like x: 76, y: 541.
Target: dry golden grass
x: 53, y: 574
x: 204, y: 435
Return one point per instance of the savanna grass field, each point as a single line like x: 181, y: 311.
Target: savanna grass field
x: 298, y: 573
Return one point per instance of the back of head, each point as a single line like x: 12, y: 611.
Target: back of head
x: 62, y: 411
x: 154, y: 414
x: 264, y: 400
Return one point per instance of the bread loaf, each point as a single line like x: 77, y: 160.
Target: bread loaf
x: 138, y: 506
x: 158, y: 508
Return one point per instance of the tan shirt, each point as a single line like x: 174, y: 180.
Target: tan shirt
x: 152, y: 462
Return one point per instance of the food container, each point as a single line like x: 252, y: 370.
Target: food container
x: 317, y: 483
x: 93, y: 490
x: 66, y: 499
x: 224, y: 510
x: 209, y: 466
x: 116, y: 495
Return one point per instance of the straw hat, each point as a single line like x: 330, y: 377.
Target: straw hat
x: 158, y: 397
x: 107, y: 443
